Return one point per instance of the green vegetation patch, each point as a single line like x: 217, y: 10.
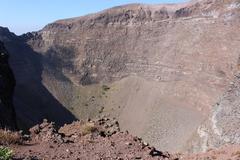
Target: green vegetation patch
x: 5, y: 153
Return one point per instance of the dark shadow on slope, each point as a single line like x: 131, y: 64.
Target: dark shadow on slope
x: 33, y: 102
x: 58, y: 58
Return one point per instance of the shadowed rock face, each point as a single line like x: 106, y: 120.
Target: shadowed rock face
x: 7, y: 85
x: 165, y: 65
x: 32, y: 100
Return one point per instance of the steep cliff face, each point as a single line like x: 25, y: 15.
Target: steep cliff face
x: 194, y: 42
x: 164, y: 65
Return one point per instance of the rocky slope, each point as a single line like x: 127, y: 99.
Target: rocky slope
x: 229, y: 152
x: 157, y: 68
x: 222, y: 127
x: 92, y: 140
x: 85, y: 141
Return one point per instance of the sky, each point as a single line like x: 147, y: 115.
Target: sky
x: 22, y: 16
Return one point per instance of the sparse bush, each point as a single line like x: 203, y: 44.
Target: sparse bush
x: 105, y: 87
x: 5, y: 153
x: 88, y: 128
x: 8, y: 137
x: 237, y: 153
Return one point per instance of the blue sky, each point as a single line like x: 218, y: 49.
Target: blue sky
x: 22, y: 16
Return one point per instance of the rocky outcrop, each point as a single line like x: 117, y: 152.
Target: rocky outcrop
x: 45, y: 142
x: 7, y: 85
x: 222, y: 127
x: 69, y: 142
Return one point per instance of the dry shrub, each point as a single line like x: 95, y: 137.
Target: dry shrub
x: 88, y: 128
x: 7, y: 137
x: 105, y: 87
x: 237, y: 153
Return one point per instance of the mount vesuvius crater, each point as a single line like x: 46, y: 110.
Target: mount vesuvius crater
x: 157, y: 68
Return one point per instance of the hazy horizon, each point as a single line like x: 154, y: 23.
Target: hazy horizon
x: 31, y: 15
